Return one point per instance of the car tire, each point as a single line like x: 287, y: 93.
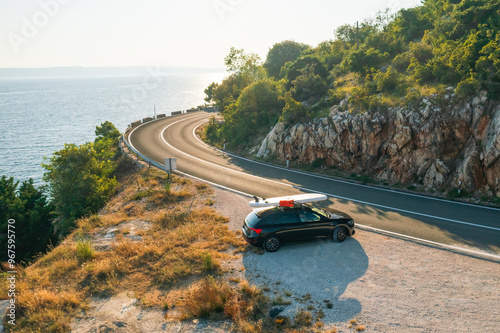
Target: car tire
x: 339, y: 234
x: 272, y: 244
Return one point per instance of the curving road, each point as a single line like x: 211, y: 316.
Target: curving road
x: 431, y: 219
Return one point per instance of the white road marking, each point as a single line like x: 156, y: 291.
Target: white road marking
x: 365, y: 227
x: 335, y: 179
x: 320, y: 192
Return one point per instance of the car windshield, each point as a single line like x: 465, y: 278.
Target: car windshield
x: 320, y: 211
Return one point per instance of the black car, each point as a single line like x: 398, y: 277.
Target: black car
x: 271, y: 226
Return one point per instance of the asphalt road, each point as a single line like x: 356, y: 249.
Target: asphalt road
x: 432, y: 219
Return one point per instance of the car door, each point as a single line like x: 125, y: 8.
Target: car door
x: 312, y: 225
x: 289, y: 226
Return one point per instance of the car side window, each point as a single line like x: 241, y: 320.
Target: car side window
x: 287, y: 217
x: 308, y: 216
x: 267, y: 221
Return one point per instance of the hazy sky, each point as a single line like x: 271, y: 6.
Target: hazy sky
x: 193, y: 33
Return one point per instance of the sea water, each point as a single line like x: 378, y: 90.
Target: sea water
x: 39, y: 115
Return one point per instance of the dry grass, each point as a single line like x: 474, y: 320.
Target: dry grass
x: 353, y: 323
x: 347, y: 83
x: 303, y: 318
x: 186, y: 238
x: 208, y: 298
x: 215, y: 299
x: 186, y: 241
x: 281, y: 301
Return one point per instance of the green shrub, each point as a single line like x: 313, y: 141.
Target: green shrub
x: 390, y: 82
x: 293, y: 111
x: 208, y: 264
x: 319, y: 162
x: 84, y: 250
x: 401, y: 62
x: 81, y: 178
x: 142, y: 194
x: 468, y: 87
x: 456, y: 193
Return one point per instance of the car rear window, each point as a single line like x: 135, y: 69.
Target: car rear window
x: 252, y: 220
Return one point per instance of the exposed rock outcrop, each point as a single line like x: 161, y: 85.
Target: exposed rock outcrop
x: 440, y: 143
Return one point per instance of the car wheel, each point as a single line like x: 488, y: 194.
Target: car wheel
x: 339, y: 234
x: 272, y: 244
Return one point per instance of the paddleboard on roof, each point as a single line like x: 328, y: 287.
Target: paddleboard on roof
x: 287, y: 200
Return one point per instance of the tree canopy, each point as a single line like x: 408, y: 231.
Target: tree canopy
x: 280, y: 54
x: 33, y: 215
x: 390, y: 59
x: 81, y: 177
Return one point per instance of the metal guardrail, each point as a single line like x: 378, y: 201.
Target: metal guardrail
x: 137, y: 123
x: 135, y: 151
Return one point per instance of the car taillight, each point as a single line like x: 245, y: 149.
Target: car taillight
x: 256, y: 230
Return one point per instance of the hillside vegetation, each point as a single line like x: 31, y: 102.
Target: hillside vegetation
x: 153, y: 231
x: 393, y: 59
x: 80, y: 180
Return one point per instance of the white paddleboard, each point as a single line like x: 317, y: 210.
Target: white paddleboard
x: 300, y: 198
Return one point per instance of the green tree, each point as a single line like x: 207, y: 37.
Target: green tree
x: 488, y: 67
x: 33, y: 216
x: 293, y: 111
x: 296, y: 68
x: 390, y: 81
x: 81, y: 177
x: 309, y: 86
x: 243, y: 63
x: 258, y: 107
x: 280, y: 54
x: 108, y: 131
x: 363, y: 61
x: 209, y: 91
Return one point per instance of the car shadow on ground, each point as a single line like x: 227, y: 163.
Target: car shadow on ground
x: 321, y: 269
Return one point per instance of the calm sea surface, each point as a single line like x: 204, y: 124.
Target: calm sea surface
x: 38, y: 116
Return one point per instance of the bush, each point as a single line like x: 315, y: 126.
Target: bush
x: 468, y: 87
x: 303, y: 318
x: 401, y: 62
x: 208, y: 298
x: 33, y: 215
x: 293, y: 111
x: 84, y: 250
x: 81, y: 178
x: 208, y: 263
x: 172, y: 219
x: 390, y: 82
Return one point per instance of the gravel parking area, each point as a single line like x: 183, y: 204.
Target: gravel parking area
x: 384, y: 283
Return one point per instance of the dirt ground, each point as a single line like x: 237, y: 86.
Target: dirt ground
x: 382, y: 283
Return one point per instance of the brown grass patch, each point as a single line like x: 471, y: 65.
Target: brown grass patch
x: 214, y: 298
x: 303, y: 318
x: 186, y: 239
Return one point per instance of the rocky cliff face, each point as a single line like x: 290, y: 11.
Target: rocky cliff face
x: 440, y: 143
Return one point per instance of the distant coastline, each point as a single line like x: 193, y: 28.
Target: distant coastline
x: 81, y: 72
